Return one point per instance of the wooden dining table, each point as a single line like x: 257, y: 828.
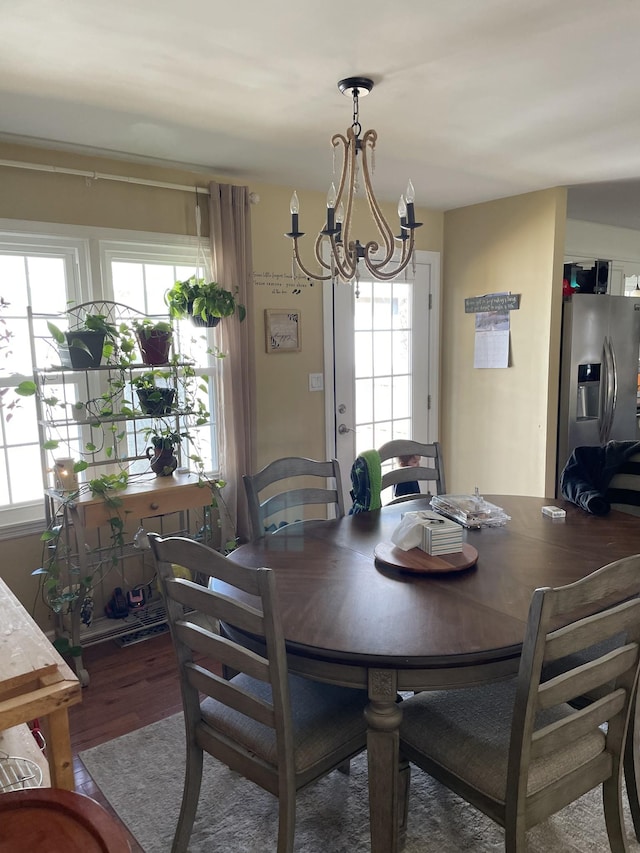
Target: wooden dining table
x: 350, y: 620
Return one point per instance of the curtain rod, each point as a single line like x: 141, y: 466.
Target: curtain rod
x: 100, y: 176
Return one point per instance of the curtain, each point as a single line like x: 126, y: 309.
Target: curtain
x: 230, y: 235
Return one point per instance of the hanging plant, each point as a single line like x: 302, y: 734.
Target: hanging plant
x: 206, y: 302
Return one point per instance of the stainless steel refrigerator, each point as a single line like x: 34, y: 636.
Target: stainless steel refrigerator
x: 598, y: 372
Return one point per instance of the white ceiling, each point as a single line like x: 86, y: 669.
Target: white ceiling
x: 474, y: 99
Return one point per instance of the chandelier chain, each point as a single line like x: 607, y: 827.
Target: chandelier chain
x: 357, y: 127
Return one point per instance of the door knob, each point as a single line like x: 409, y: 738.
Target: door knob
x: 343, y: 429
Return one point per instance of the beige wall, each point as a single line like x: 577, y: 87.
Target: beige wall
x: 290, y: 418
x: 498, y: 426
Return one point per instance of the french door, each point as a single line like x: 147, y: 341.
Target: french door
x: 382, y: 362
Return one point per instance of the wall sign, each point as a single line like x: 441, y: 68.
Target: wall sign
x: 282, y: 330
x: 492, y: 302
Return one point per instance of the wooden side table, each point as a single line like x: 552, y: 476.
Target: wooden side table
x: 35, y: 682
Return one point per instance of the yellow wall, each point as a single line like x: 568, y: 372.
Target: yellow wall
x: 290, y: 418
x: 499, y: 425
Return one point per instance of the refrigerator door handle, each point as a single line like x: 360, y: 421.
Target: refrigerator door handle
x: 613, y: 389
x: 610, y: 391
x: 604, y: 395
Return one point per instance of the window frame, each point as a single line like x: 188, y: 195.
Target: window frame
x: 88, y: 252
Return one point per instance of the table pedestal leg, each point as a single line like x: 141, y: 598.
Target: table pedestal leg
x: 383, y: 716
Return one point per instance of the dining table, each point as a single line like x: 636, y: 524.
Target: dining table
x: 352, y: 620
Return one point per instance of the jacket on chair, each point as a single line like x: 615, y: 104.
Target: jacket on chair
x: 586, y: 476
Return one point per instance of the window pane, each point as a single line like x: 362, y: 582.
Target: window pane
x: 24, y: 473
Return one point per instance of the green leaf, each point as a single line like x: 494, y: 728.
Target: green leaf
x: 56, y: 334
x: 26, y: 388
x: 90, y: 447
x: 51, y: 444
x: 80, y: 466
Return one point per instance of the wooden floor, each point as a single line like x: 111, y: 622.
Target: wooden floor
x: 129, y: 688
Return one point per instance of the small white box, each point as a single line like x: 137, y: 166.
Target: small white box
x: 553, y: 511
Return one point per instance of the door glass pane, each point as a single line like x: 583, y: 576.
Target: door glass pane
x: 382, y: 331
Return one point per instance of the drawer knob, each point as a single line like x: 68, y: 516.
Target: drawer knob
x: 154, y: 505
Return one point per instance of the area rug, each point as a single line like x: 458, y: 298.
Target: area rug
x: 141, y: 776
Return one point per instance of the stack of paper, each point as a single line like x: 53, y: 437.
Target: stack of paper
x: 440, y: 535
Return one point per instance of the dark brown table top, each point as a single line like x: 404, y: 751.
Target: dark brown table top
x: 337, y: 605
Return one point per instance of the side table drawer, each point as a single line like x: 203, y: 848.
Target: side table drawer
x: 157, y: 499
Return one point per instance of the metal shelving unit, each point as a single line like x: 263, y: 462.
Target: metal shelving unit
x: 92, y: 414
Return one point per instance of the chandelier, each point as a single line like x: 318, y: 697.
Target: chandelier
x: 344, y: 252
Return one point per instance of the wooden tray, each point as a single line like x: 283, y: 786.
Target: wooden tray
x: 419, y: 562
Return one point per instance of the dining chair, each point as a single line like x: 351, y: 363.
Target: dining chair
x: 290, y: 467
x: 280, y: 731
x: 517, y: 750
x: 432, y: 472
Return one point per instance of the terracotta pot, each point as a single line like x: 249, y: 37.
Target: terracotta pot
x: 155, y: 347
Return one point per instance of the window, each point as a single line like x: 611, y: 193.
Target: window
x: 49, y: 267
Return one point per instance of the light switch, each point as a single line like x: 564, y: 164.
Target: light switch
x: 316, y: 382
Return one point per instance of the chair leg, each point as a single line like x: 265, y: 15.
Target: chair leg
x: 612, y: 801
x: 631, y: 770
x: 286, y: 821
x: 190, y: 797
x: 515, y: 840
x: 345, y: 767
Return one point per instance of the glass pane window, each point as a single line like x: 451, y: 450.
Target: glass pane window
x: 50, y: 274
x: 382, y: 335
x: 141, y: 281
x: 32, y: 272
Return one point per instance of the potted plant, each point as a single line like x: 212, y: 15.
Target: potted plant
x: 161, y: 455
x: 155, y: 399
x: 154, y: 340
x: 206, y: 302
x: 86, y: 345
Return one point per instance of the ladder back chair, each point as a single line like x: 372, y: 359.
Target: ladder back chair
x: 517, y: 750
x: 278, y: 730
x: 431, y: 471
x: 260, y: 509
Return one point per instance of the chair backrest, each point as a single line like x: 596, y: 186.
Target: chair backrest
x: 286, y: 498
x: 431, y: 465
x: 623, y: 492
x: 190, y: 606
x: 602, y: 653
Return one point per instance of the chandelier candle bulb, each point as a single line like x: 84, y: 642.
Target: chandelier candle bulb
x: 331, y: 209
x: 294, y: 207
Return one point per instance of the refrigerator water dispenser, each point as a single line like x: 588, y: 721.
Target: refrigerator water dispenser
x: 588, y: 391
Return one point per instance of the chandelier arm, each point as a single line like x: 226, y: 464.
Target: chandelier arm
x: 296, y: 255
x: 375, y: 270
x: 318, y: 252
x: 339, y: 139
x: 369, y: 139
x: 346, y: 262
x: 349, y: 169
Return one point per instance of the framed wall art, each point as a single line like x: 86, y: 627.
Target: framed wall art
x: 282, y: 330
